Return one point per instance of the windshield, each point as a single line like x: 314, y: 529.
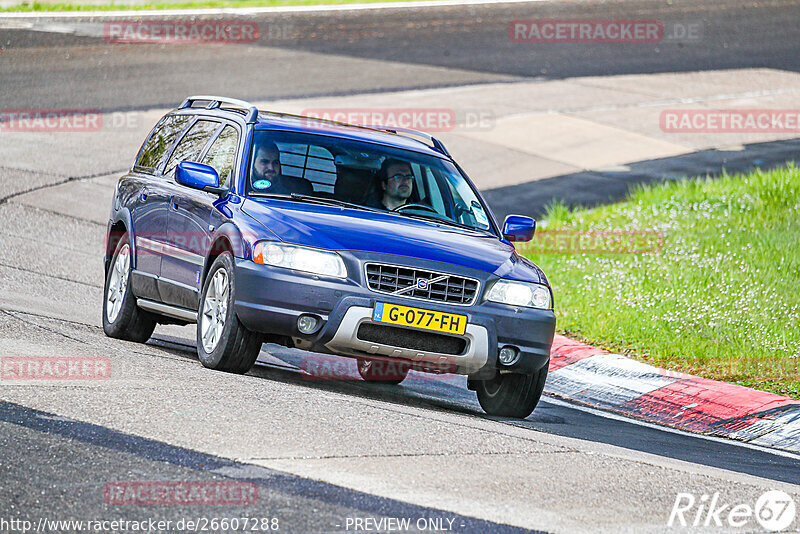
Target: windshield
x: 363, y: 175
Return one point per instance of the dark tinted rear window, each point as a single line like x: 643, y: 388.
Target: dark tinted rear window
x: 161, y: 139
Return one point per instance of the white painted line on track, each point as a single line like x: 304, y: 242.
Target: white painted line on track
x: 242, y: 11
x: 617, y: 417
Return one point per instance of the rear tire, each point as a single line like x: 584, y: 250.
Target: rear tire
x: 223, y: 342
x: 122, y: 318
x: 511, y: 395
x: 382, y: 371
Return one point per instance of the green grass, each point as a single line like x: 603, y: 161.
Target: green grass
x: 721, y: 300
x: 188, y: 4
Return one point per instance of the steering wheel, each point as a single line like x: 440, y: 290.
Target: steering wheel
x: 418, y: 206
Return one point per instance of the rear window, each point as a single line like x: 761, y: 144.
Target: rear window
x: 160, y: 140
x: 314, y: 163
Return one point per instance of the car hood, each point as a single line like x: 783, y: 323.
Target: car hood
x: 336, y: 228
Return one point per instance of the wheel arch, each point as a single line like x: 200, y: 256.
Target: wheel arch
x: 227, y: 239
x: 117, y: 228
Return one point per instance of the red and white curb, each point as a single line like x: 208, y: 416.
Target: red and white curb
x: 595, y: 377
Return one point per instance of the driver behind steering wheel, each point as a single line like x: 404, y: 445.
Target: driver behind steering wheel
x: 397, y: 183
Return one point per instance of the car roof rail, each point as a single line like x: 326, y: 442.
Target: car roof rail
x: 428, y: 139
x: 217, y: 102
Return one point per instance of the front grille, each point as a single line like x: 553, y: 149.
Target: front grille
x: 406, y: 338
x: 405, y: 281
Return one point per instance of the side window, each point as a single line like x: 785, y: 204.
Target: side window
x: 161, y: 139
x: 471, y: 214
x: 436, y: 198
x: 419, y: 188
x: 191, y: 145
x: 222, y: 154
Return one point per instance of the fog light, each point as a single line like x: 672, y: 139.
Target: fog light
x: 508, y: 355
x: 307, y: 324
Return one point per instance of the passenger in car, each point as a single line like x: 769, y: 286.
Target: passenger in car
x: 266, y: 175
x: 397, y: 183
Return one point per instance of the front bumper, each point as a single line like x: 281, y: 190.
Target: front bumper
x: 270, y: 300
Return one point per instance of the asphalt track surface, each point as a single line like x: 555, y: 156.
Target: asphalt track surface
x: 56, y: 464
x: 315, y: 54
x: 31, y: 437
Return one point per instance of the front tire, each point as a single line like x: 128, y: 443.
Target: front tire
x: 382, y: 371
x: 122, y: 319
x: 511, y: 395
x: 223, y: 343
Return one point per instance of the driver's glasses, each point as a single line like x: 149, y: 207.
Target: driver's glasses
x: 402, y: 177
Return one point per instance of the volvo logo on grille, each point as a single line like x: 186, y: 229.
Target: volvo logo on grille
x: 462, y: 291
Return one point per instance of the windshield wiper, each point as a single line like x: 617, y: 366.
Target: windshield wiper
x: 313, y: 199
x: 331, y: 201
x: 444, y: 221
x: 268, y: 195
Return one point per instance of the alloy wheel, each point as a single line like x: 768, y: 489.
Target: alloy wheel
x: 118, y: 283
x: 215, y: 310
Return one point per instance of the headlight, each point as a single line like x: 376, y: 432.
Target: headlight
x: 306, y: 259
x: 520, y: 294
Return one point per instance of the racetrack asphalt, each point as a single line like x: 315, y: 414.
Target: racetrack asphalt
x: 321, y: 450
x: 328, y: 53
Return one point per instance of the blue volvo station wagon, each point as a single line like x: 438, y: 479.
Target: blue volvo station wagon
x: 362, y: 241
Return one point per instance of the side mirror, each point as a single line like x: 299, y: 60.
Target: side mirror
x: 518, y: 228
x: 198, y: 176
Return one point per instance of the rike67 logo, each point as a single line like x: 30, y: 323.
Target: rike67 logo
x: 774, y: 511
